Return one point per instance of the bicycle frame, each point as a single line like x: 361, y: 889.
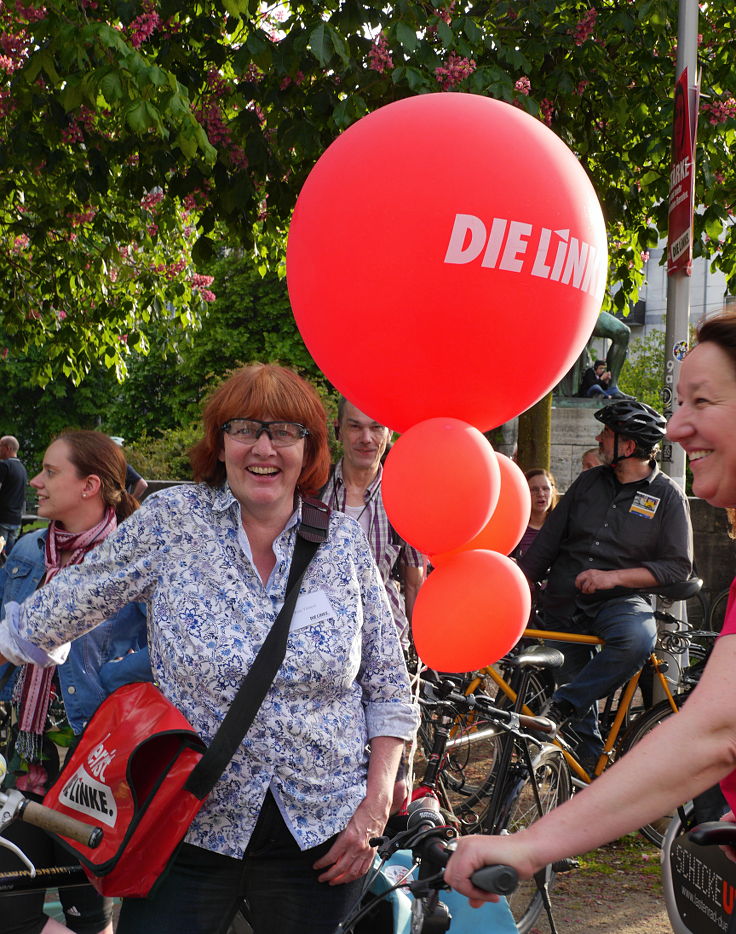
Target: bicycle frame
x: 622, y: 709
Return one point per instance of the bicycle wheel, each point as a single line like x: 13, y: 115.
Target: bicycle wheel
x: 696, y: 608
x: 520, y: 809
x: 643, y: 725
x: 468, y: 775
x: 540, y: 687
x: 718, y: 611
x: 466, y: 769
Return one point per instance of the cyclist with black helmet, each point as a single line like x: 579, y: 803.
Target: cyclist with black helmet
x: 620, y: 527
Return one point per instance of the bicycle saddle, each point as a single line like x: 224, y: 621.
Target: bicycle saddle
x: 681, y: 590
x: 537, y: 656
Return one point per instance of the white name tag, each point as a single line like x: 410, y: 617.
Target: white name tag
x: 312, y: 609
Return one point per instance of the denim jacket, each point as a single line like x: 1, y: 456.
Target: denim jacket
x: 89, y: 673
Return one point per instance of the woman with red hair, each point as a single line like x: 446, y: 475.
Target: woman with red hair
x: 288, y: 825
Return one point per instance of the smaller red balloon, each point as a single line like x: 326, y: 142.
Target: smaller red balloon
x: 510, y: 518
x: 470, y: 611
x: 441, y: 482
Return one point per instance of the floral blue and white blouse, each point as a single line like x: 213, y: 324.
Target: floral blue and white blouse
x: 343, y: 680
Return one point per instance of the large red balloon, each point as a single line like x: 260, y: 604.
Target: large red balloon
x: 441, y: 482
x: 447, y: 257
x: 510, y: 518
x: 470, y: 611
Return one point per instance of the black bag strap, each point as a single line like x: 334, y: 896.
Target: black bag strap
x: 254, y: 686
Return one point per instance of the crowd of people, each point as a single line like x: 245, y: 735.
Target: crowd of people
x: 184, y: 589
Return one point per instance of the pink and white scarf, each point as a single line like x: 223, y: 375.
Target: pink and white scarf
x: 32, y: 694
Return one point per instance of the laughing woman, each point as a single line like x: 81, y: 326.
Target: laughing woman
x: 690, y: 752
x: 81, y: 490
x: 288, y: 825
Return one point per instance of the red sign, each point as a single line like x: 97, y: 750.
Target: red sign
x: 682, y: 179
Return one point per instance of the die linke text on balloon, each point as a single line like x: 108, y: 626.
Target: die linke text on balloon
x: 516, y: 246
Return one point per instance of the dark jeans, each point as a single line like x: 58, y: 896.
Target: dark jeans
x: 202, y: 890
x: 630, y: 631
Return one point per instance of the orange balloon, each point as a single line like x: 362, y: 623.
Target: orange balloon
x: 470, y: 611
x: 441, y: 482
x: 505, y: 528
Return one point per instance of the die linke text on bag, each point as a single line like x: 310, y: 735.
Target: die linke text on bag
x: 516, y: 246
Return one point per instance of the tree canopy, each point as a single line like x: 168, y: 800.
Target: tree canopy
x: 139, y: 138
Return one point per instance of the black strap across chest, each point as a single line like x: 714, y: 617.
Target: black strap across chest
x: 253, y: 688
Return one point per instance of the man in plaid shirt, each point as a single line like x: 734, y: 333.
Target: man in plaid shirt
x: 355, y: 489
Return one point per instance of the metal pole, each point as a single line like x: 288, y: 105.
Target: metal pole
x: 678, y: 283
x: 678, y: 311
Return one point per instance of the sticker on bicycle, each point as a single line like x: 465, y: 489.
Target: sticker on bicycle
x: 644, y: 505
x: 703, y: 896
x: 85, y: 794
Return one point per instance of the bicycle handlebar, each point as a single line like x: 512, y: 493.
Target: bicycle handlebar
x: 445, y: 693
x: 721, y: 833
x: 14, y: 805
x: 497, y: 879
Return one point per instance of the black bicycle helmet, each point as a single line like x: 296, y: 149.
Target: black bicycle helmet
x: 636, y: 420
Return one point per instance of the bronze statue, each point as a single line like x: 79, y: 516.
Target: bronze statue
x: 614, y: 330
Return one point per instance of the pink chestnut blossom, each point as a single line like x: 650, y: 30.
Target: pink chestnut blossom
x: 582, y: 31
x: 720, y: 111
x: 548, y: 109
x: 379, y: 57
x: 455, y: 71
x: 144, y: 26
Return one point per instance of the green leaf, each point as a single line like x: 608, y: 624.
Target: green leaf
x: 320, y: 44
x: 63, y: 738
x: 339, y: 45
x: 47, y: 63
x: 137, y: 118
x: 71, y: 96
x: 472, y: 31
x: 415, y: 78
x: 407, y: 37
x: 714, y: 227
x: 445, y: 35
x: 111, y: 87
x: 235, y: 7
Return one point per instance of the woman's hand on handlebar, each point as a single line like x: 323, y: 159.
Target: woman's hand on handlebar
x: 729, y: 851
x: 475, y: 852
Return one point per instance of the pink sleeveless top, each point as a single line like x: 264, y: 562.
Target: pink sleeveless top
x: 728, y: 785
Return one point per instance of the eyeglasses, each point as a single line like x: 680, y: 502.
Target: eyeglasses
x: 249, y: 430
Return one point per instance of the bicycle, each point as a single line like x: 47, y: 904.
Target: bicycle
x: 526, y: 780
x: 424, y: 845
x: 623, y: 722
x: 699, y: 880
